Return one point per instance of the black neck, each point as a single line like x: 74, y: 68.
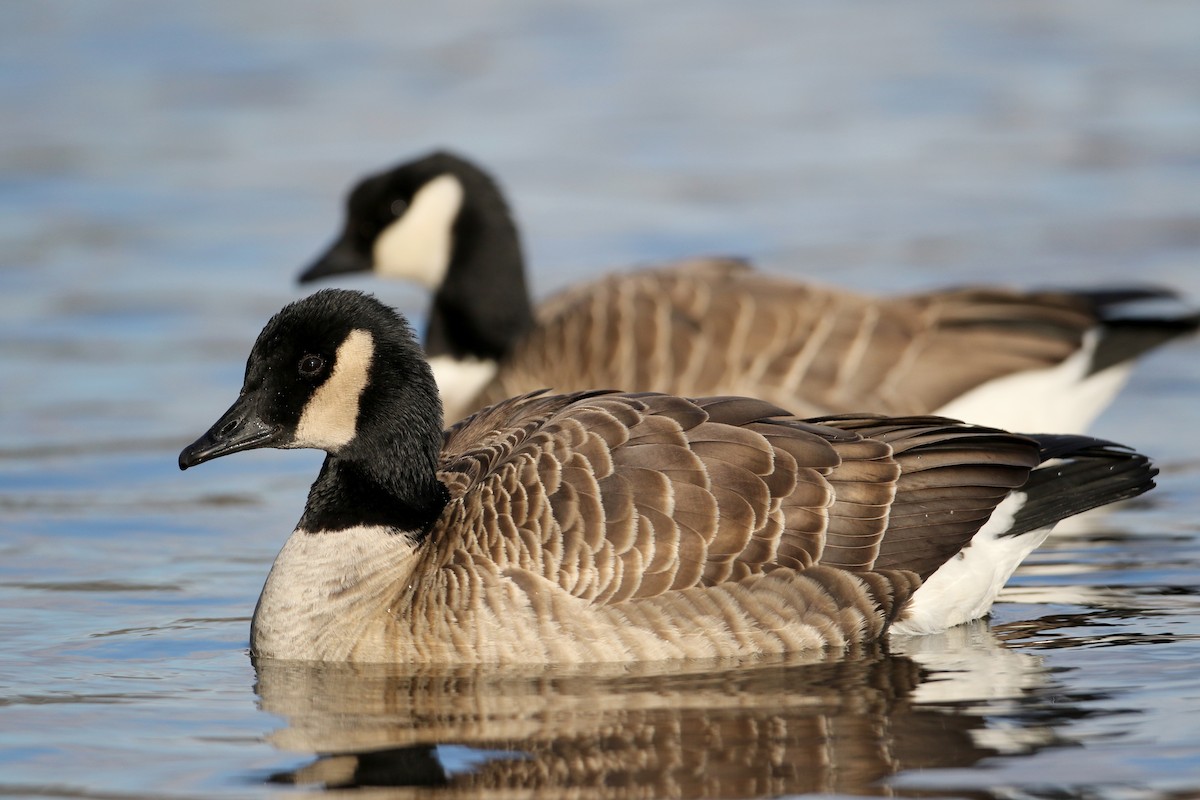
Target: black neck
x: 345, y: 496
x: 482, y: 307
x: 387, y: 474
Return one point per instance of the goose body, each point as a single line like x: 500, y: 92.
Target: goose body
x: 1011, y: 359
x: 601, y: 526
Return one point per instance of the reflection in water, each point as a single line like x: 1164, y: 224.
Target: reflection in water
x: 701, y: 730
x: 1110, y: 628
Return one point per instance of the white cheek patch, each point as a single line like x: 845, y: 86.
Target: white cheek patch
x: 417, y: 246
x: 330, y: 417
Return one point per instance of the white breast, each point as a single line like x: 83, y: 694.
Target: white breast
x: 326, y: 593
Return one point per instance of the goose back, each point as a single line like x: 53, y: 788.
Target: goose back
x: 717, y: 326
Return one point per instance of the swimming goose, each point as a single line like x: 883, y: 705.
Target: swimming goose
x: 1016, y: 360
x: 601, y: 526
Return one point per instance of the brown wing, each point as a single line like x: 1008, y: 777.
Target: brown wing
x: 718, y: 327
x: 614, y: 496
x: 963, y: 338
x: 618, y: 496
x: 952, y: 476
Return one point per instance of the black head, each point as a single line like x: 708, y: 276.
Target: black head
x: 400, y: 222
x: 337, y: 371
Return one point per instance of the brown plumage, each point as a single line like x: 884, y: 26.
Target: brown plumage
x: 708, y: 326
x: 619, y: 523
x: 603, y: 526
x: 714, y: 326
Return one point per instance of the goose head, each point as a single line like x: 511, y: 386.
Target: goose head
x: 411, y: 221
x: 339, y: 371
x: 442, y: 222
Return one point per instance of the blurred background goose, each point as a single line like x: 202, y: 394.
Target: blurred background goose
x: 1044, y: 360
x: 601, y: 526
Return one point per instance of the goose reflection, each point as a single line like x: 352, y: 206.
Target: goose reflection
x: 728, y: 729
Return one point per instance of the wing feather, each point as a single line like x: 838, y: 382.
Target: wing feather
x: 613, y: 497
x: 717, y: 327
x: 952, y: 477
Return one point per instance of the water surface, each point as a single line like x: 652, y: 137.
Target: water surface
x: 169, y: 168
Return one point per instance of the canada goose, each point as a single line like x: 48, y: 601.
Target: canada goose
x: 600, y: 526
x: 1016, y: 360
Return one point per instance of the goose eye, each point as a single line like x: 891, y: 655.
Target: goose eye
x: 311, y: 366
x: 398, y: 208
x: 365, y: 231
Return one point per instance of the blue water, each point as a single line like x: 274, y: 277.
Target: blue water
x: 166, y: 171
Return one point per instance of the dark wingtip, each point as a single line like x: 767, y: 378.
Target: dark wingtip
x: 1126, y: 339
x: 1093, y: 473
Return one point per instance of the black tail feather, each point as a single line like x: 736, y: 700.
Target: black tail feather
x: 1088, y: 473
x: 1126, y: 338
x: 1104, y: 300
x: 1125, y: 335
